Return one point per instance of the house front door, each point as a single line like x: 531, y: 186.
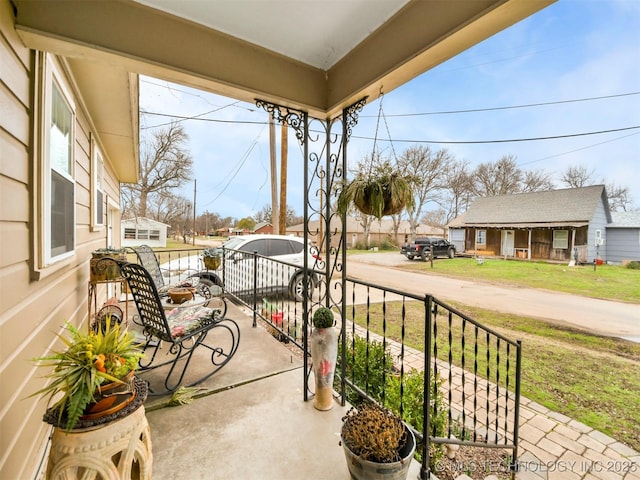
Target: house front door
x: 507, y: 243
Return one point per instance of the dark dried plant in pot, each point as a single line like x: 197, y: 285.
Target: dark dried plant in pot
x: 375, y: 440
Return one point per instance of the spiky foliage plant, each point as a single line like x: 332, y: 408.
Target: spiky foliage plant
x: 90, y: 360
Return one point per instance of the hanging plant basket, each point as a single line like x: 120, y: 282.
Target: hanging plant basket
x: 380, y: 193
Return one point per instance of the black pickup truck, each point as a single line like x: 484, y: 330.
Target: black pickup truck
x: 429, y: 246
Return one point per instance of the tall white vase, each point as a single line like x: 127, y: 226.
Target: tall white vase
x: 324, y: 351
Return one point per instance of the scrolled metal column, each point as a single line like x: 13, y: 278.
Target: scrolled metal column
x: 324, y: 144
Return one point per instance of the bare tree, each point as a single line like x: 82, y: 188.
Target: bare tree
x: 619, y: 198
x: 536, y: 181
x: 291, y: 218
x: 165, y: 164
x: 396, y: 219
x: 577, y: 176
x: 210, y: 222
x: 435, y: 218
x: 497, y: 178
x: 428, y: 170
x: 504, y: 177
x: 458, y: 194
x: 365, y: 222
x: 174, y: 210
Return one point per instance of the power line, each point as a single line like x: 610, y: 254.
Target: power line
x: 510, y: 140
x: 490, y: 109
x: 237, y: 169
x: 197, y: 117
x: 448, y: 142
x: 578, y: 149
x: 171, y: 88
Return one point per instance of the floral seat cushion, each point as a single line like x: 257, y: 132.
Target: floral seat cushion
x: 184, y: 320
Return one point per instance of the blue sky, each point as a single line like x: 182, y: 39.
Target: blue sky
x: 572, y: 50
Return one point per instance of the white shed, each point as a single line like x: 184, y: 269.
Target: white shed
x: 144, y: 231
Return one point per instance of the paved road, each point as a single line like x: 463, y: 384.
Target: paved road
x: 598, y: 316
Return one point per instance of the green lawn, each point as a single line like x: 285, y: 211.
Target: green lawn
x: 606, y: 281
x: 593, y: 379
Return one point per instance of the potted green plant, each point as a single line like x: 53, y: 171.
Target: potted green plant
x: 104, y: 263
x: 376, y: 443
x: 381, y: 191
x: 211, y: 258
x: 324, y: 351
x: 93, y: 376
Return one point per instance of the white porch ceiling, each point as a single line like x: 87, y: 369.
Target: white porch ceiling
x: 315, y: 32
x: 318, y: 56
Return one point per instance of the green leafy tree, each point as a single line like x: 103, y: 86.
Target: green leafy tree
x: 246, y: 223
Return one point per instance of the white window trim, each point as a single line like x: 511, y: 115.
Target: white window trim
x: 478, y: 237
x: 51, y: 72
x: 558, y: 242
x: 97, y: 186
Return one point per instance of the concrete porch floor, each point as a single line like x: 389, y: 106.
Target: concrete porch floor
x: 251, y: 422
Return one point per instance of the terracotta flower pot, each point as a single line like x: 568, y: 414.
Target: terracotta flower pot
x: 111, y: 398
x: 181, y: 294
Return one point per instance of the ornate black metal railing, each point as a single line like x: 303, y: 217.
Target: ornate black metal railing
x: 452, y: 379
x: 397, y: 349
x: 469, y: 375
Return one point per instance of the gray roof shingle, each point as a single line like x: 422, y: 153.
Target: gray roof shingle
x: 552, y: 206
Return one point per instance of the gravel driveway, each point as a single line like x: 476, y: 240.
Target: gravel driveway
x: 604, y: 317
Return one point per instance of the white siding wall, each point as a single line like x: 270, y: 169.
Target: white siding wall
x: 34, y: 304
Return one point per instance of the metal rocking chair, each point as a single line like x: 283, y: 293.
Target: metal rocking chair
x: 147, y: 258
x: 179, y: 332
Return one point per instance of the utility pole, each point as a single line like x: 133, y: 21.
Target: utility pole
x: 274, y: 176
x: 284, y: 152
x: 193, y: 237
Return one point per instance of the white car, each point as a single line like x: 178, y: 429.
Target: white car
x: 279, y: 266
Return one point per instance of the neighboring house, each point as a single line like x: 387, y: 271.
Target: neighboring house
x: 263, y: 227
x: 144, y: 231
x: 456, y: 232
x: 68, y: 137
x: 561, y: 225
x: 379, y: 231
x: 69, y: 134
x: 623, y: 237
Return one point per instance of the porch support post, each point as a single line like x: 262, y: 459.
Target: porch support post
x: 325, y: 167
x: 529, y: 246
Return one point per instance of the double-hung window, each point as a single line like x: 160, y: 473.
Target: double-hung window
x: 58, y: 199
x: 561, y: 239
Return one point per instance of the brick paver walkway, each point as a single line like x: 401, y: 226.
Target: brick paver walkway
x: 552, y: 446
